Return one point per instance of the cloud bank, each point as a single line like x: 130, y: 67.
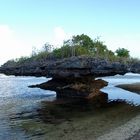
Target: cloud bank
x: 10, y: 45
x: 59, y: 35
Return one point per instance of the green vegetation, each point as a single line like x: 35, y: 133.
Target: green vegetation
x: 122, y: 52
x: 78, y: 45
x: 82, y: 45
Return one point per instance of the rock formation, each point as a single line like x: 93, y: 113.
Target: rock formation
x: 68, y: 67
x: 72, y: 77
x: 85, y: 87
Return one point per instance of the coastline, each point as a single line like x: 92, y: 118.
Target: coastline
x: 87, y: 122
x: 134, y: 87
x: 128, y: 131
x: 117, y: 120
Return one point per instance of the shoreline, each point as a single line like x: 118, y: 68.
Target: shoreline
x: 128, y: 131
x: 134, y: 87
x: 90, y: 125
x: 118, y: 120
x: 87, y: 122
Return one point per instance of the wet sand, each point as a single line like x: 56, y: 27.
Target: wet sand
x: 131, y: 130
x: 135, y: 87
x: 128, y: 131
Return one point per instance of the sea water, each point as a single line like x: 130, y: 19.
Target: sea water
x: 118, y: 93
x: 17, y: 100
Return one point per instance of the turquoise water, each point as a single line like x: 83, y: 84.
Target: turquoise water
x: 17, y: 101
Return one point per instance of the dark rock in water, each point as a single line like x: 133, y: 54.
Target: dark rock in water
x: 71, y: 77
x: 80, y: 66
x: 69, y: 67
x: 135, y: 67
x: 85, y: 87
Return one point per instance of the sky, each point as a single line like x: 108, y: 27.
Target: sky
x: 25, y: 24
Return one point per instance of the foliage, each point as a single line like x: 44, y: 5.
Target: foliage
x: 84, y: 45
x: 47, y: 47
x: 41, y: 55
x: 76, y: 46
x: 122, y: 52
x: 21, y: 60
x: 10, y: 63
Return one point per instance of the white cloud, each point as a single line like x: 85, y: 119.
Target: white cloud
x: 130, y: 42
x: 59, y: 36
x: 14, y: 44
x: 10, y: 45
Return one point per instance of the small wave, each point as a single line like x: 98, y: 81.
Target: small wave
x: 3, y: 75
x: 132, y: 74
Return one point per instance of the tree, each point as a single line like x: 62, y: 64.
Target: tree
x: 79, y: 44
x: 122, y: 52
x: 99, y: 48
x: 48, y: 47
x: 34, y: 51
x: 83, y: 41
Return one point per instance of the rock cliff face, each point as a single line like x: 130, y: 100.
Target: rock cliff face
x: 73, y: 77
x: 135, y: 67
x: 70, y: 67
x: 80, y: 66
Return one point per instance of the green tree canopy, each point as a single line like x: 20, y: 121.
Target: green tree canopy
x: 122, y: 52
x: 79, y: 44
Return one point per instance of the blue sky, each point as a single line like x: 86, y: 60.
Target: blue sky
x: 28, y: 23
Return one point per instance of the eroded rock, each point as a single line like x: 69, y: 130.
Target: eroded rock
x: 69, y: 67
x: 71, y: 77
x: 85, y: 87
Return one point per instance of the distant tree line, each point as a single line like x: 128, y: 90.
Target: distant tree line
x: 80, y: 45
x: 76, y: 46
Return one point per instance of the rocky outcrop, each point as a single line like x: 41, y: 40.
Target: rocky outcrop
x: 72, y: 77
x: 80, y: 66
x: 85, y: 87
x: 69, y: 67
x: 134, y: 67
x: 29, y: 68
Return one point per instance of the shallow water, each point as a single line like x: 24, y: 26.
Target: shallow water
x: 23, y: 110
x: 16, y: 97
x: 118, y: 93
